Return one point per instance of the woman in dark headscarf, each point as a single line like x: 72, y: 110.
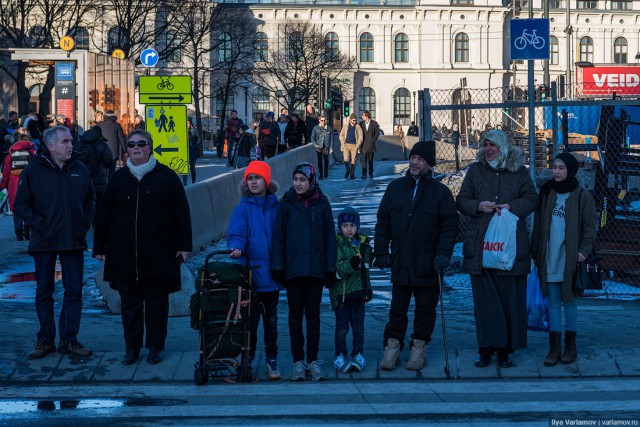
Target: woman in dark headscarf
x: 564, y: 231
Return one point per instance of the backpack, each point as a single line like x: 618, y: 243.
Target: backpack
x: 19, y: 160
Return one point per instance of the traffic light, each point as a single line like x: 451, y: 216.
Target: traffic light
x: 328, y: 103
x: 94, y: 96
x: 544, y: 93
x: 108, y: 98
x: 526, y: 94
x: 347, y: 109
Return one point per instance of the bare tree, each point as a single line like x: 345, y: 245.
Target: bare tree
x: 294, y: 61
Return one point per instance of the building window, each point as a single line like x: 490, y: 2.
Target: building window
x: 117, y: 39
x: 37, y: 36
x: 261, y: 47
x: 462, y: 47
x: 260, y: 103
x: 80, y: 37
x: 621, y: 5
x: 367, y: 101
x: 462, y: 2
x: 402, y: 48
x: 521, y: 5
x: 555, y: 4
x: 554, y: 47
x: 402, y: 107
x: 620, y: 48
x: 224, y: 47
x: 174, y: 53
x: 220, y: 104
x: 331, y: 51
x: 295, y: 46
x: 366, y: 47
x: 586, y: 49
x: 587, y: 4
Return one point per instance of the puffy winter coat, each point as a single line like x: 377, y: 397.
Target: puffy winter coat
x: 9, y: 180
x: 57, y: 203
x: 304, y: 241
x: 417, y: 229
x: 97, y: 157
x: 251, y: 231
x: 141, y: 225
x: 513, y: 186
x: 114, y: 134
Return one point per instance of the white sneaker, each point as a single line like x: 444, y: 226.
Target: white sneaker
x: 317, y: 373
x: 358, y: 362
x: 299, y: 372
x: 341, y: 363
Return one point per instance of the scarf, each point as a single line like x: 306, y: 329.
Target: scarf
x: 141, y: 170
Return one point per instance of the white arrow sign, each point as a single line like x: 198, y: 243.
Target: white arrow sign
x: 149, y: 57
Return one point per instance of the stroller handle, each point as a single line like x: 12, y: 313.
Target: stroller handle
x: 214, y: 253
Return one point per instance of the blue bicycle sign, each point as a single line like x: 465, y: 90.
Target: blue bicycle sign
x: 529, y: 38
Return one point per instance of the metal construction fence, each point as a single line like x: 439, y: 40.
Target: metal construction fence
x: 603, y: 134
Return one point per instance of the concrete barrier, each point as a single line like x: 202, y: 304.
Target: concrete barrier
x: 224, y: 198
x: 203, y: 226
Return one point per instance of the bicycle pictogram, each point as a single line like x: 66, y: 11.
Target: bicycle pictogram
x: 165, y: 83
x: 529, y: 39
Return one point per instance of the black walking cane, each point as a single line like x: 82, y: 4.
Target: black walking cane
x: 444, y: 329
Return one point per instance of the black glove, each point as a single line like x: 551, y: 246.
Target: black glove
x: 382, y: 261
x: 329, y: 278
x: 278, y: 275
x: 355, y: 262
x: 440, y: 263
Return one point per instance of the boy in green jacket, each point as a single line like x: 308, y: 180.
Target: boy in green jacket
x: 352, y: 290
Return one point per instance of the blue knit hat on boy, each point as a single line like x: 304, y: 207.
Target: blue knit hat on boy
x: 349, y: 215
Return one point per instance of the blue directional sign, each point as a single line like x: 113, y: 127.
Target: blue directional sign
x: 149, y: 57
x: 529, y: 38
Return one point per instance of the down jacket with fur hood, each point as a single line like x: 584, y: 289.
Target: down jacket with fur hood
x: 251, y: 231
x: 511, y: 185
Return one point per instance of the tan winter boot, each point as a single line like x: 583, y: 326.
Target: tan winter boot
x: 570, y: 350
x: 418, y: 355
x: 555, y: 347
x: 391, y: 357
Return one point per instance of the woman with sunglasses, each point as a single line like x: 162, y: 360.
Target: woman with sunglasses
x: 143, y: 234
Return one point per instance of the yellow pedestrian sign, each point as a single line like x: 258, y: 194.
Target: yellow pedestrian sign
x: 67, y: 43
x: 118, y: 53
x: 167, y: 124
x: 165, y: 89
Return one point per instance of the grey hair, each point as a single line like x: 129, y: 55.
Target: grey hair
x: 50, y: 135
x: 143, y: 133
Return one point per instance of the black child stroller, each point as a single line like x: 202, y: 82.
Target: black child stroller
x: 221, y: 312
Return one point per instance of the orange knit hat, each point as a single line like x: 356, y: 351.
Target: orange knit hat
x: 259, y: 168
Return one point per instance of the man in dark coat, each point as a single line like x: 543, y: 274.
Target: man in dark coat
x: 56, y: 199
x: 97, y: 157
x: 310, y: 121
x: 114, y: 134
x: 417, y: 217
x: 370, y: 134
x: 143, y: 233
x: 269, y: 136
x: 294, y: 132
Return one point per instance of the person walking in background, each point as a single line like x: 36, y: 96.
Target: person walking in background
x: 20, y: 154
x: 249, y: 237
x: 232, y: 132
x: 246, y: 142
x: 413, y: 130
x: 114, y: 134
x: 97, y: 157
x: 56, y: 199
x: 351, y: 138
x: 294, y: 132
x: 403, y: 141
x: 351, y: 291
x: 303, y: 258
x: 140, y: 263
x: 138, y: 123
x: 497, y: 180
x: 14, y: 122
x: 195, y: 149
x: 370, y: 134
x: 269, y: 135
x: 283, y: 121
x: 564, y: 232
x: 417, y: 218
x: 321, y: 138
x: 310, y: 121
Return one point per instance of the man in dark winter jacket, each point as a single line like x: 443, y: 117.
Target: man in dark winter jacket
x: 417, y: 217
x: 56, y: 199
x: 370, y: 134
x: 114, y: 134
x: 97, y: 157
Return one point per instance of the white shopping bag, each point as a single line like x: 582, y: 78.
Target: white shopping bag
x: 499, y: 246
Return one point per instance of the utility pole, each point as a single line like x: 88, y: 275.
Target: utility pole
x: 545, y: 63
x: 568, y: 31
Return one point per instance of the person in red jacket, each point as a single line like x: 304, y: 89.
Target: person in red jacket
x: 20, y: 153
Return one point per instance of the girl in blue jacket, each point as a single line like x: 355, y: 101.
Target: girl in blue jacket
x: 249, y: 235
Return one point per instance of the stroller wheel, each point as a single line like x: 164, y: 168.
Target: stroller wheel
x: 200, y: 376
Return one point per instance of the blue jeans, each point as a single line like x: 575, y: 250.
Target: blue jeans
x: 554, y: 298
x: 72, y: 264
x: 350, y: 313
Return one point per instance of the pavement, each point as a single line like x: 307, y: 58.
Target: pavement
x: 607, y: 329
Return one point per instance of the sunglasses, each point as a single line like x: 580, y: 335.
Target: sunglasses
x: 322, y: 120
x: 132, y: 144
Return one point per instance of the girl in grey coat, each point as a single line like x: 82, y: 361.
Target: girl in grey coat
x: 497, y: 181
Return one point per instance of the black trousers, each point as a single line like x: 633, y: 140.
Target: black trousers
x: 144, y: 304
x: 424, y: 315
x: 323, y: 164
x: 367, y: 160
x: 304, y: 297
x: 265, y: 305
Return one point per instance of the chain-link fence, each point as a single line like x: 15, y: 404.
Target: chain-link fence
x: 603, y: 134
